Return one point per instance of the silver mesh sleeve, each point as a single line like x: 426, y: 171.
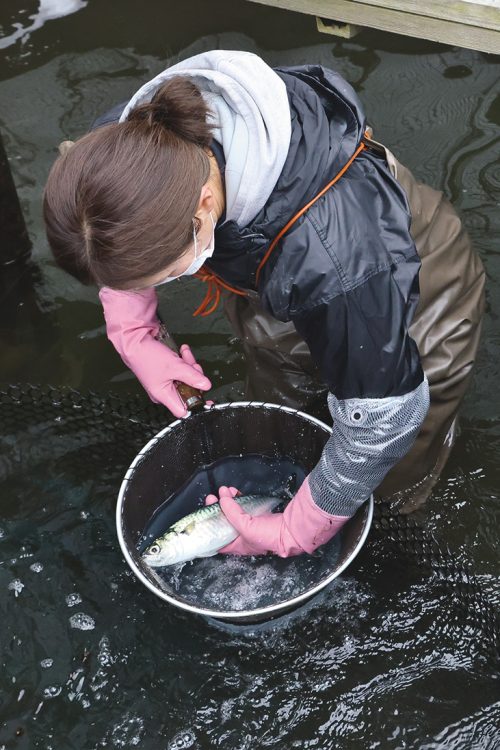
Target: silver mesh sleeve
x: 369, y: 436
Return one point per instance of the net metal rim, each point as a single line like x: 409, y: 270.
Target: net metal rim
x: 270, y: 610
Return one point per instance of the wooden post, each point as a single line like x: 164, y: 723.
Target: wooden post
x: 15, y: 244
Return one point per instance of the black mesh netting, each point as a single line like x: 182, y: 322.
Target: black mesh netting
x: 99, y: 435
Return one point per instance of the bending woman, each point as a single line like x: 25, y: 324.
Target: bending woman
x: 347, y: 279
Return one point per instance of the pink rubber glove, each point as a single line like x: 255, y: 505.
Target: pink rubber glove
x: 302, y: 527
x: 131, y: 326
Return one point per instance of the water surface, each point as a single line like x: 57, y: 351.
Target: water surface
x: 387, y: 658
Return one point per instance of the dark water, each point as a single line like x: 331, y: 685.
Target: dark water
x: 92, y: 659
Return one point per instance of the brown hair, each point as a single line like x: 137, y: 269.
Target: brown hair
x: 119, y: 204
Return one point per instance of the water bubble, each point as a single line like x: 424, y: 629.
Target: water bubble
x: 81, y: 621
x: 16, y: 586
x: 36, y: 567
x: 52, y: 691
x: 2, y: 533
x: 46, y: 663
x: 104, y: 656
x: 73, y: 599
x: 84, y: 515
x: 128, y: 733
x: 182, y: 740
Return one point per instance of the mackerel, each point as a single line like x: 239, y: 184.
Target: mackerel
x: 203, y: 533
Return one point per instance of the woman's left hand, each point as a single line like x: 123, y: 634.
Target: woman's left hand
x: 302, y: 527
x: 239, y: 546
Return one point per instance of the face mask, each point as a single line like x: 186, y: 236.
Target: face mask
x: 198, y: 260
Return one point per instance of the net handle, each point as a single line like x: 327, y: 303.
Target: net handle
x: 192, y: 398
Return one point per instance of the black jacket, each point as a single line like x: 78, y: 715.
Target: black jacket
x: 346, y: 273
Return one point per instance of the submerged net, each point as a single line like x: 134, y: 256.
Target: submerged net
x: 90, y: 435
x: 467, y: 607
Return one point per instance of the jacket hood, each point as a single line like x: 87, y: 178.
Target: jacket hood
x: 328, y: 123
x: 250, y: 118
x: 331, y: 124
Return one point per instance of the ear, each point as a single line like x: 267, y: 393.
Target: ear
x: 207, y: 199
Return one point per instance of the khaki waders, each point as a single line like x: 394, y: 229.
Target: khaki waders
x: 446, y: 329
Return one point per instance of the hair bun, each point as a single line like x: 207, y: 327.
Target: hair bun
x: 153, y: 113
x: 178, y: 107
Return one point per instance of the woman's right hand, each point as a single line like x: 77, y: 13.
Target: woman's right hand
x: 132, y: 326
x: 157, y: 370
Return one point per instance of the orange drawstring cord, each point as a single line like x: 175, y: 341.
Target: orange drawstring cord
x: 213, y: 294
x: 216, y: 285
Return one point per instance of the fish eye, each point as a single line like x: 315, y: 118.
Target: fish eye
x: 154, y: 549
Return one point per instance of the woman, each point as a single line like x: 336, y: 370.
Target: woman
x: 268, y: 180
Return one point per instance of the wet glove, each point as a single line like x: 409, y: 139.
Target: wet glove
x: 132, y: 326
x: 302, y: 527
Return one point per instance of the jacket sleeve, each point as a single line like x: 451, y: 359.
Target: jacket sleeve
x: 378, y: 393
x: 369, y: 436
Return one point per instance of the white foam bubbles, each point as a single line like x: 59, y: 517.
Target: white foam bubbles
x: 52, y: 691
x: 81, y: 621
x: 73, y: 599
x: 104, y: 657
x: 47, y: 10
x: 126, y: 733
x: 232, y: 583
x: 16, y: 586
x: 183, y: 740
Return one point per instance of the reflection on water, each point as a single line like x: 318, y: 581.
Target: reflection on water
x: 90, y: 658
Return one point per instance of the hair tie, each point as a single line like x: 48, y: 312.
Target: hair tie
x: 159, y: 114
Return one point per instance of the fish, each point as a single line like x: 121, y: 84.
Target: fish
x: 204, y: 532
